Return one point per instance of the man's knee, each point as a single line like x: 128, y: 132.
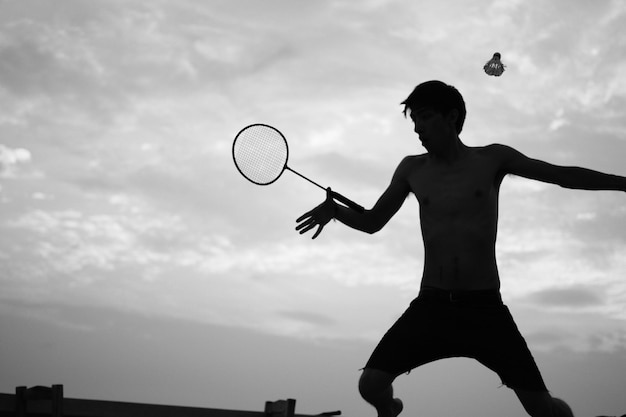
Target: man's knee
x: 374, y: 382
x: 560, y: 408
x: 542, y: 404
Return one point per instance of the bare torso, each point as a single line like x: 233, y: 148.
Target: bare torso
x: 458, y: 215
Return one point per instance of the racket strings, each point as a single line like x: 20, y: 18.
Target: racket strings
x: 260, y: 153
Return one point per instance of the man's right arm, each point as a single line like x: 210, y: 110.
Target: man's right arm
x: 371, y: 221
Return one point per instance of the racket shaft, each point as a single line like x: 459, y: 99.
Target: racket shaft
x: 302, y: 176
x: 336, y: 195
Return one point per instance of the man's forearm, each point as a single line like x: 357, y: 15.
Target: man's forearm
x: 587, y: 179
x: 363, y: 222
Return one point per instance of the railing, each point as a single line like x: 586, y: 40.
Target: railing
x: 49, y: 401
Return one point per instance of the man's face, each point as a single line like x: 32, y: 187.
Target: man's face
x: 432, y: 127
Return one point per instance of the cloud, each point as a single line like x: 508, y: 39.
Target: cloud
x: 572, y: 320
x: 129, y: 109
x: 11, y: 159
x: 308, y: 318
x: 574, y: 298
x: 70, y: 243
x: 126, y: 348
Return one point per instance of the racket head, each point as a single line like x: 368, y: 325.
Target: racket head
x: 260, y: 153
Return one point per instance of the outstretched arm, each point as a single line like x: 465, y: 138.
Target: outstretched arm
x: 514, y: 162
x: 370, y: 221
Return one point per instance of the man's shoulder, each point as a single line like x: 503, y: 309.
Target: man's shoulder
x: 408, y: 165
x: 414, y: 159
x: 496, y: 151
x: 492, y: 148
x: 410, y: 162
x: 495, y: 148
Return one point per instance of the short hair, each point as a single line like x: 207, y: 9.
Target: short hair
x: 439, y: 96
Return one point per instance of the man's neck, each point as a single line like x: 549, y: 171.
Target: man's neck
x: 456, y: 151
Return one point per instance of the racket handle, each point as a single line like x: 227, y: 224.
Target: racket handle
x: 348, y: 202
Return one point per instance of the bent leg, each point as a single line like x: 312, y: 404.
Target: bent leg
x: 542, y: 404
x: 375, y: 388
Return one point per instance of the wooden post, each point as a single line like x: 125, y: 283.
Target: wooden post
x: 57, y: 400
x: 20, y: 401
x: 280, y: 408
x: 39, y: 393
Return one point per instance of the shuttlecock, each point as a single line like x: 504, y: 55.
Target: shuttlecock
x: 494, y: 66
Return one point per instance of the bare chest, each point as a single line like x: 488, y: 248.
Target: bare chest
x: 453, y: 190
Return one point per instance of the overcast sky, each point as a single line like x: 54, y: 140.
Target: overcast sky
x: 136, y: 264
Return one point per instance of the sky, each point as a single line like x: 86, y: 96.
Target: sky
x: 137, y: 264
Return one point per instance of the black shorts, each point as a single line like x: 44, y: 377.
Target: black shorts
x: 474, y: 324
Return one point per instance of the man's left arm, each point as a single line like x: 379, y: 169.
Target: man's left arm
x: 516, y: 163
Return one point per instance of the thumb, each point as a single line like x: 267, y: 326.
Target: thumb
x: 329, y: 194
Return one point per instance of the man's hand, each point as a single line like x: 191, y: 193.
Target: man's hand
x: 319, y: 216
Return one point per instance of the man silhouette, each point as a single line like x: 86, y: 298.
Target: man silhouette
x: 459, y: 311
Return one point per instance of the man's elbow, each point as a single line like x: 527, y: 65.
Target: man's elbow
x: 368, y: 222
x: 371, y: 230
x: 374, y: 226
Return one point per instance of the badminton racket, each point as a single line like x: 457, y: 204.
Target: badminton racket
x: 261, y: 152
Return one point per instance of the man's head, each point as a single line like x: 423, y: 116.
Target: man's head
x: 437, y: 96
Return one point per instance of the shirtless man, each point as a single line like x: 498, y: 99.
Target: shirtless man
x: 459, y: 311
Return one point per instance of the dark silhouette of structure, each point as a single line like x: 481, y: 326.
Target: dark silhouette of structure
x: 53, y: 396
x: 49, y: 401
